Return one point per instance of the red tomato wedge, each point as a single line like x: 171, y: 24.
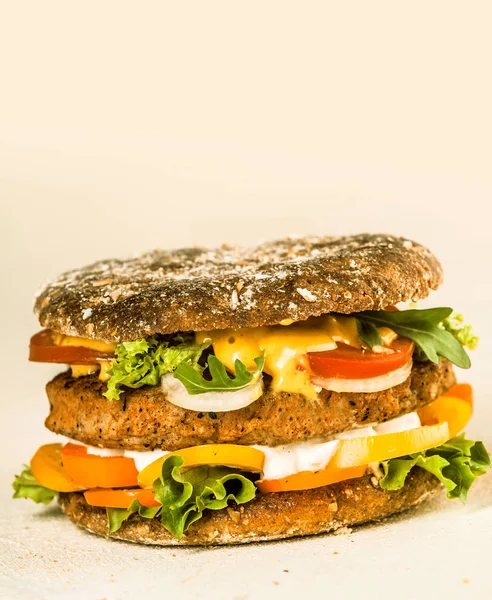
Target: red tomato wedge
x: 346, y: 362
x: 120, y: 498
x: 42, y: 348
x: 307, y: 480
x: 91, y: 471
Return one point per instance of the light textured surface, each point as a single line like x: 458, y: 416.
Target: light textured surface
x: 439, y: 550
x: 125, y: 128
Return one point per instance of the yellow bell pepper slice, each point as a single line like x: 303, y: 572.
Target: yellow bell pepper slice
x: 47, y: 468
x: 244, y: 458
x: 361, y: 451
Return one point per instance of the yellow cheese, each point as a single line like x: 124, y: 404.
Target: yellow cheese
x: 83, y: 370
x: 70, y: 340
x: 284, y: 346
x: 388, y: 335
x: 102, y: 366
x: 105, y: 366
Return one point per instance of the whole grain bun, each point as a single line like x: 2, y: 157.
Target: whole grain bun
x: 195, y: 289
x: 269, y: 516
x: 144, y: 420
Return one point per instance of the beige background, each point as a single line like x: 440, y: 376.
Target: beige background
x: 125, y: 126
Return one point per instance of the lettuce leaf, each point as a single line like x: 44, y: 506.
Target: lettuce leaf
x: 145, y: 361
x: 456, y: 326
x: 456, y: 464
x: 26, y: 486
x: 117, y: 516
x: 184, y: 495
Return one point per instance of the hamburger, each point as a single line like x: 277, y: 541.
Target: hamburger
x: 238, y: 394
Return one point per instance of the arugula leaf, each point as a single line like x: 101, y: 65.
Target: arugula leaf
x: 369, y: 334
x: 457, y: 327
x: 117, y: 516
x: 145, y: 361
x: 457, y: 464
x: 423, y: 327
x: 184, y: 495
x: 220, y: 381
x: 26, y: 486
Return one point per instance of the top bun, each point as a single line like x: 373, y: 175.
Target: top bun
x: 193, y: 289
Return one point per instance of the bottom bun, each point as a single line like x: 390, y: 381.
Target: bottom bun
x: 269, y: 516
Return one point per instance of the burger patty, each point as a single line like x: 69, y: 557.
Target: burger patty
x: 144, y: 420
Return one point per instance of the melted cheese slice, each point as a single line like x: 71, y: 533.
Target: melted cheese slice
x: 102, y: 366
x: 285, y: 348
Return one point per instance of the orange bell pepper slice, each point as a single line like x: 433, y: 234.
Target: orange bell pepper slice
x: 92, y: 471
x: 307, y: 480
x: 47, y: 468
x: 455, y: 407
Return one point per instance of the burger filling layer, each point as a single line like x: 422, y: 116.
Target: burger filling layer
x: 365, y: 352
x: 226, y: 370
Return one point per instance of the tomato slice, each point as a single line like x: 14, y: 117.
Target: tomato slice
x: 120, y: 498
x: 42, y: 348
x: 244, y: 458
x: 455, y: 407
x: 91, y: 471
x: 47, y: 468
x: 346, y: 362
x: 352, y: 452
x: 307, y: 480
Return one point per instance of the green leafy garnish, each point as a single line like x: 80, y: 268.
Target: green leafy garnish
x: 117, y: 516
x: 463, y: 332
x: 26, y: 486
x: 184, y: 495
x: 457, y: 464
x: 369, y: 333
x: 145, y: 361
x: 220, y: 380
x: 424, y: 328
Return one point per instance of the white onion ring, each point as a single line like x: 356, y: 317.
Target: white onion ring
x: 177, y: 394
x: 365, y: 386
x: 322, y: 347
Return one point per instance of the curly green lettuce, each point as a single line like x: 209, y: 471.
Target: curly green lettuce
x: 184, y: 495
x: 145, y: 361
x: 456, y: 464
x: 26, y: 486
x: 463, y: 332
x: 117, y: 516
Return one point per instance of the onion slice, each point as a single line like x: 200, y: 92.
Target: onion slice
x: 177, y: 394
x: 371, y: 384
x: 322, y: 347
